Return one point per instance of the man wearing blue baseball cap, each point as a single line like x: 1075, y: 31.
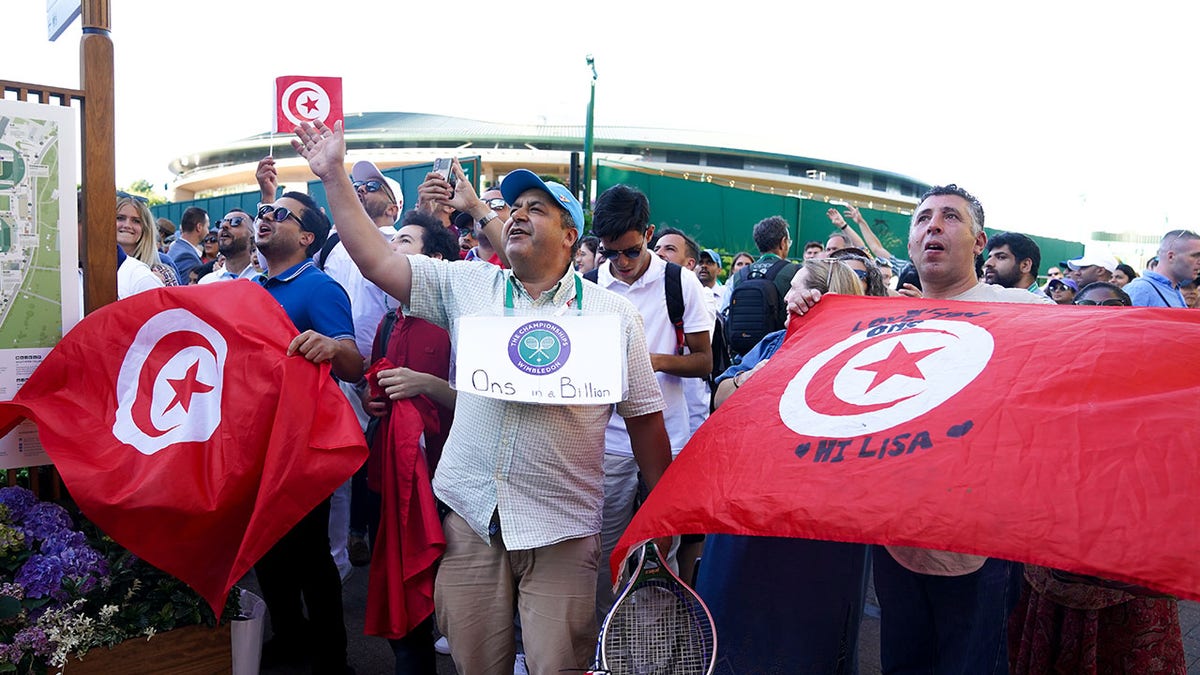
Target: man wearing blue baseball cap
x: 523, y: 481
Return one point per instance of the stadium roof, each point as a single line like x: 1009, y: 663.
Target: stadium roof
x: 382, y: 130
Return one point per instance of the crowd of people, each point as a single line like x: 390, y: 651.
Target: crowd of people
x: 512, y: 509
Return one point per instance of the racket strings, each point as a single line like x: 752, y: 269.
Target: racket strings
x: 658, y: 629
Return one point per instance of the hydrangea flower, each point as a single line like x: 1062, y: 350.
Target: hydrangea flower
x: 12, y: 590
x: 83, y: 565
x: 17, y: 500
x: 43, y: 520
x: 10, y: 653
x: 33, y: 639
x: 42, y: 576
x: 11, y: 539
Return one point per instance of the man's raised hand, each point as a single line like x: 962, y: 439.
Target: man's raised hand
x: 324, y: 148
x: 854, y: 214
x: 268, y: 178
x: 436, y: 191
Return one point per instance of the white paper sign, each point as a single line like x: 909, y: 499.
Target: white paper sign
x: 556, y: 360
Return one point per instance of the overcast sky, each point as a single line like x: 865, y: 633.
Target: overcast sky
x: 1063, y: 118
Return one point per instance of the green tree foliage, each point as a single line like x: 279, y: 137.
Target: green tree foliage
x: 145, y: 189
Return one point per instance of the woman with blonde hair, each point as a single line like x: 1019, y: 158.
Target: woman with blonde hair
x: 824, y: 582
x: 137, y: 235
x: 829, y: 276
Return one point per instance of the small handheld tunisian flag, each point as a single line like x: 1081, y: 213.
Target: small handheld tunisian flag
x: 184, y: 432
x: 300, y: 98
x: 1061, y: 436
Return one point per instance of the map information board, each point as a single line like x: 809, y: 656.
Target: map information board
x: 40, y: 286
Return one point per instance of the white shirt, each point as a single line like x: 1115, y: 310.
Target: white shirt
x: 368, y: 303
x: 649, y: 297
x: 223, y: 274
x: 135, y: 276
x: 718, y: 293
x: 726, y: 296
x: 696, y: 389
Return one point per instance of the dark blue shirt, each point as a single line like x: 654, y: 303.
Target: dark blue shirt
x: 182, y: 257
x: 313, y: 300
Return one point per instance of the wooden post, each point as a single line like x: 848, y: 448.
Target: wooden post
x: 98, y: 213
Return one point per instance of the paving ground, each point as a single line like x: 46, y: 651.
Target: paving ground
x: 372, y: 656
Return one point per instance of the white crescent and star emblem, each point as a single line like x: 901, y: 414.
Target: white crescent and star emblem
x: 305, y: 101
x: 170, y: 383
x: 866, y: 384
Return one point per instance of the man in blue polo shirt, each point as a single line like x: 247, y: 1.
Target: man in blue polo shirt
x: 1178, y: 261
x: 287, y: 234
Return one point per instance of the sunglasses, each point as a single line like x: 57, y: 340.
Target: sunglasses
x: 631, y: 253
x: 278, y: 215
x: 369, y: 185
x: 210, y: 240
x: 496, y: 203
x: 236, y: 221
x: 1171, y: 238
x: 862, y: 276
x: 1111, y: 302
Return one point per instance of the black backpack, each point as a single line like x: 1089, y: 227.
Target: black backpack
x: 322, y: 255
x: 722, y: 359
x: 755, y: 307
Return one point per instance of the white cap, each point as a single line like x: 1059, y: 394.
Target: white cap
x: 364, y: 171
x: 1087, y: 260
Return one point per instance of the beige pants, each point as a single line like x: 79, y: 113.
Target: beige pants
x: 552, y: 587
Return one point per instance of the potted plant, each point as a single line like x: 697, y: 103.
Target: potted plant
x: 66, y: 590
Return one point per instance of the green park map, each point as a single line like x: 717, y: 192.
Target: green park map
x: 30, y: 243
x: 37, y: 200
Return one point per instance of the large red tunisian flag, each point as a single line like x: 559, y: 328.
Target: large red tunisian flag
x: 302, y: 98
x: 184, y: 431
x: 1061, y: 436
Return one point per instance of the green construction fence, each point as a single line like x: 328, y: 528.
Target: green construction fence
x: 723, y: 217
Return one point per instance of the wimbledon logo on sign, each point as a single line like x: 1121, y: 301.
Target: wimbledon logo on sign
x: 539, y: 348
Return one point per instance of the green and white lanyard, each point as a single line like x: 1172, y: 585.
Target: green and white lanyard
x: 508, y: 292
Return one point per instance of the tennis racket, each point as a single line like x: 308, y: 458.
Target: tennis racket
x: 658, y: 626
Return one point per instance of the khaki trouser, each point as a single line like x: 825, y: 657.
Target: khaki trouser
x: 552, y: 587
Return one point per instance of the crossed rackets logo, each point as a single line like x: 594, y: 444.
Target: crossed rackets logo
x: 539, y: 347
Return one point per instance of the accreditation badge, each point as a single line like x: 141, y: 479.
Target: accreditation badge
x: 573, y: 359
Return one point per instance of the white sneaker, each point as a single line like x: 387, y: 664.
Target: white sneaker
x: 442, y: 646
x: 519, y: 665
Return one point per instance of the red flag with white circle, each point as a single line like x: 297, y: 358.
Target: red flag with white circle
x: 1056, y: 435
x: 304, y: 98
x: 185, y: 432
